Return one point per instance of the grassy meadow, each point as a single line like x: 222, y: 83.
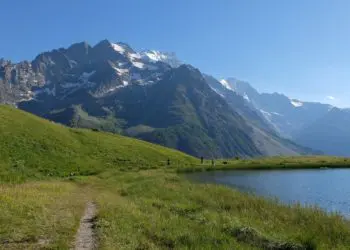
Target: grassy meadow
x: 48, y: 173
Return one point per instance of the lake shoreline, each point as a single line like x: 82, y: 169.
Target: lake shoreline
x: 274, y: 163
x: 267, y: 168
x: 302, y: 186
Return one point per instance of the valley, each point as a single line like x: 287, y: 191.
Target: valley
x: 144, y: 125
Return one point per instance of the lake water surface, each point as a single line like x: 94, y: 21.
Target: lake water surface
x: 326, y: 188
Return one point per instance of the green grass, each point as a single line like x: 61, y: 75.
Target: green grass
x: 81, y: 119
x: 39, y: 215
x: 48, y: 172
x: 139, y: 129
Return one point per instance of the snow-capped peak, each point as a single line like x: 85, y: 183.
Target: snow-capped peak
x: 296, y: 103
x: 154, y: 55
x: 226, y: 84
x: 157, y: 56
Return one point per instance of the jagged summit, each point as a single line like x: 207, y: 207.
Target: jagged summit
x: 157, y: 56
x: 116, y: 65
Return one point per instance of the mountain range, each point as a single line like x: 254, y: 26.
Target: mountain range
x: 319, y: 126
x: 153, y: 96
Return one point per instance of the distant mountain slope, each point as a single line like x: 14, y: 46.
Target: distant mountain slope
x: 316, y: 125
x: 239, y: 104
x: 264, y: 135
x: 330, y: 133
x: 285, y: 115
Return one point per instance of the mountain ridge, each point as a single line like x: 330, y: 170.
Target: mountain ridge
x: 112, y: 87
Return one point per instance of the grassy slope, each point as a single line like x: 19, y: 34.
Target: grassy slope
x: 33, y: 147
x: 141, y: 204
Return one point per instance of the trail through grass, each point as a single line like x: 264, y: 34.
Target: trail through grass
x: 85, y: 238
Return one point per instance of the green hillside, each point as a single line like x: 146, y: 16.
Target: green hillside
x: 33, y: 147
x: 49, y: 172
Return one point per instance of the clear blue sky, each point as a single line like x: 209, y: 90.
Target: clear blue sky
x: 299, y: 47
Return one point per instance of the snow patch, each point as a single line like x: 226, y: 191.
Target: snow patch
x: 226, y: 84
x: 111, y: 89
x: 275, y: 113
x: 135, y: 60
x: 296, y: 103
x: 73, y: 63
x: 155, y: 56
x: 139, y: 65
x: 268, y: 117
x: 25, y: 100
x: 116, y: 87
x: 134, y: 56
x: 27, y: 96
x: 266, y: 114
x: 245, y: 96
x: 118, y: 48
x: 217, y: 92
x: 121, y: 71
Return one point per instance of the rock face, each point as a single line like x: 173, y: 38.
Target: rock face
x: 149, y: 95
x: 102, y: 69
x: 17, y: 80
